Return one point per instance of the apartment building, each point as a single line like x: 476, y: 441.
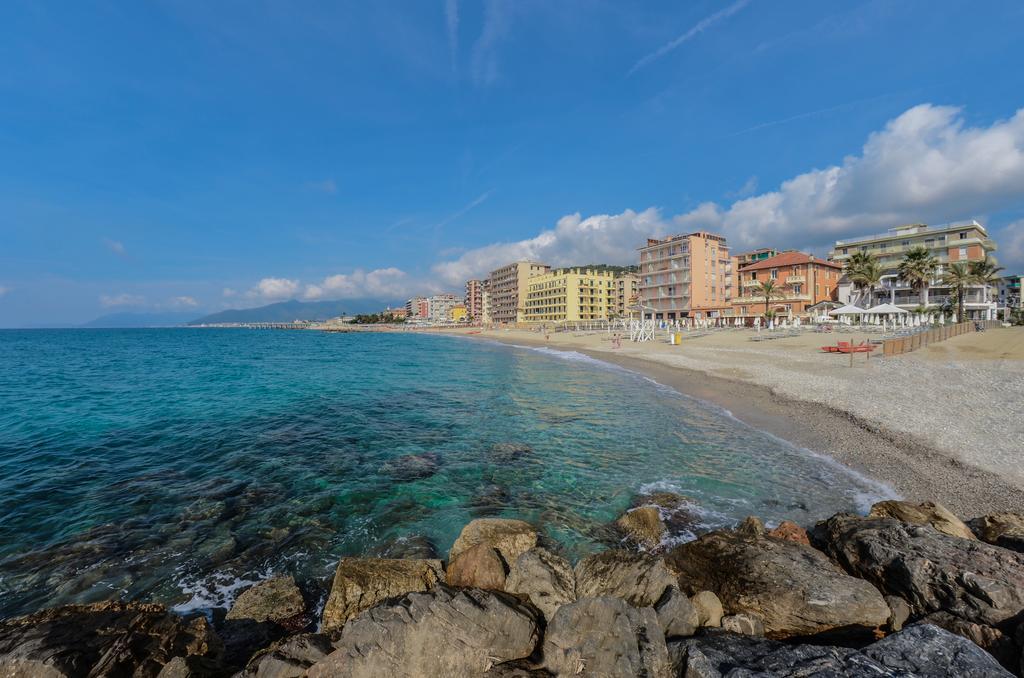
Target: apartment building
x: 801, y: 280
x: 949, y: 243
x: 508, y: 286
x: 572, y: 295
x: 485, y: 307
x: 1010, y: 293
x: 627, y: 293
x: 440, y: 307
x: 686, y: 276
x: 417, y: 308
x: 475, y: 300
x: 458, y: 313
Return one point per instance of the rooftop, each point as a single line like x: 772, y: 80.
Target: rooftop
x: 790, y: 258
x: 912, y: 229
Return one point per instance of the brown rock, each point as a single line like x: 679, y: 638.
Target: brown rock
x: 790, y: 531
x: 480, y: 567
x: 927, y: 513
x: 642, y: 526
x: 637, y: 578
x: 511, y: 538
x: 1001, y: 529
x: 361, y: 583
x: 275, y: 599
x: 751, y: 527
x: 899, y: 612
x: 709, y: 608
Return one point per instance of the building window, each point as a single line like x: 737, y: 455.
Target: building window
x: 963, y: 252
x: 775, y: 273
x: 796, y: 288
x: 963, y: 236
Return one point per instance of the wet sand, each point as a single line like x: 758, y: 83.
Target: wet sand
x: 730, y: 367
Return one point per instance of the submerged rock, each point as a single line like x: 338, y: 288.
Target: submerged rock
x: 643, y: 527
x: 413, y: 546
x: 605, y: 637
x: 510, y: 537
x: 547, y: 579
x: 637, y: 578
x: 441, y: 632
x: 927, y: 513
x: 480, y: 567
x: 412, y: 466
x: 361, y: 583
x: 509, y: 453
x: 1002, y: 529
x: 795, y: 589
x: 275, y: 599
x: 105, y: 639
x: 932, y: 571
x: 680, y: 514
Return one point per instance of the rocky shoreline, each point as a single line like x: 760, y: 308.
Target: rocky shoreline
x: 908, y: 590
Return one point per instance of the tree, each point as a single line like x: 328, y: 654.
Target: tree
x: 986, y: 273
x: 868, y: 275
x: 857, y: 261
x: 918, y: 268
x: 769, y: 290
x: 958, y: 278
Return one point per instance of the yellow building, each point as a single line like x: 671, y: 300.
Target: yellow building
x: 572, y: 295
x: 458, y: 313
x: 507, y: 286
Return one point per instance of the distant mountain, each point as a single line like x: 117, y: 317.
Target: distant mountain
x: 129, y: 319
x: 287, y: 311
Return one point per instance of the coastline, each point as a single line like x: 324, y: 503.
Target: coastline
x: 913, y: 468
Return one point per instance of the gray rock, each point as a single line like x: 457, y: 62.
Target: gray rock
x: 361, y: 583
x: 412, y: 466
x: 441, y: 632
x: 637, y: 578
x: 899, y: 612
x: 1001, y: 529
x: 927, y: 651
x: 793, y: 588
x: 546, y: 578
x: 932, y: 571
x: 676, y: 614
x: 928, y: 513
x: 191, y: 667
x: 517, y: 669
x: 993, y: 641
x: 745, y: 624
x: 605, y: 637
x: 271, y: 600
x: 105, y: 639
x: 709, y: 608
x: 289, y: 658
x: 511, y: 538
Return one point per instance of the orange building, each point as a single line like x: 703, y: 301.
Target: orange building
x: 686, y: 276
x: 801, y: 280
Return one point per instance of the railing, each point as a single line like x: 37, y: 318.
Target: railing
x: 913, y: 342
x: 795, y: 279
x: 923, y: 228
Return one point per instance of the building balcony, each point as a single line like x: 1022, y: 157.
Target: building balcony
x: 790, y: 279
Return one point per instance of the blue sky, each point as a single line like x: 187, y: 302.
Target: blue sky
x: 197, y: 156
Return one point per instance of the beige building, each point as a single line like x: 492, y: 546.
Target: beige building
x: 507, y: 286
x: 485, y: 307
x: 627, y: 294
x: 572, y: 295
x: 686, y: 276
x: 475, y: 300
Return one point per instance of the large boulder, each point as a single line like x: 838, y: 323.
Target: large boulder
x: 793, y: 588
x: 709, y: 608
x: 441, y: 632
x: 927, y: 513
x: 642, y: 527
x: 926, y: 651
x: 1001, y: 529
x: 676, y: 614
x: 605, y: 637
x: 289, y: 658
x: 511, y: 538
x: 932, y: 571
x: 478, y: 567
x: 274, y: 599
x: 105, y: 639
x: 361, y: 583
x: 637, y: 578
x: 547, y: 579
x: 919, y: 651
x: 995, y: 642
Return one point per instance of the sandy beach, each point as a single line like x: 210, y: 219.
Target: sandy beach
x: 944, y: 423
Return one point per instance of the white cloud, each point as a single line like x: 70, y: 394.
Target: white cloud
x: 749, y: 187
x: 1011, y: 241
x: 484, y: 63
x: 926, y: 165
x: 389, y: 283
x: 228, y: 292
x: 602, y: 238
x: 122, y: 299
x: 697, y: 29
x: 184, y: 302
x: 275, y: 289
x: 451, y: 18
x: 116, y: 247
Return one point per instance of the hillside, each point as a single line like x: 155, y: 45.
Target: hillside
x: 287, y: 311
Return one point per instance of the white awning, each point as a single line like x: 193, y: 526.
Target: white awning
x: 882, y: 309
x: 849, y: 309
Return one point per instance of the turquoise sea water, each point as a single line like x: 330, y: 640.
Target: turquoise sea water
x: 177, y: 465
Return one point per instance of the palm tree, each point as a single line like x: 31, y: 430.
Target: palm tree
x: 986, y: 273
x: 868, y: 276
x: 958, y: 278
x: 918, y: 268
x: 857, y: 261
x: 769, y: 290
